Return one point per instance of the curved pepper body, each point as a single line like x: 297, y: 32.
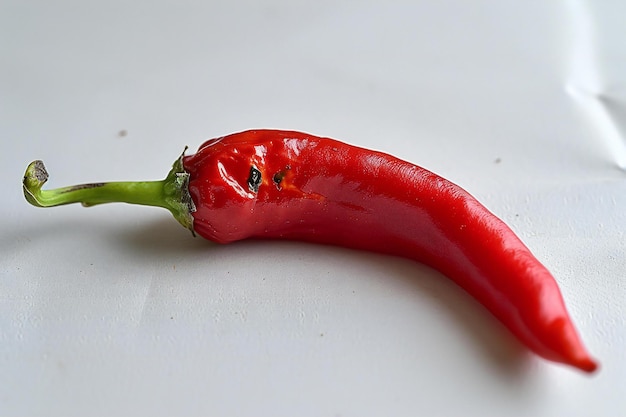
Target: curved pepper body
x: 291, y: 185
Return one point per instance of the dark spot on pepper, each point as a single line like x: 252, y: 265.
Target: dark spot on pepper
x: 254, y: 179
x: 278, y: 177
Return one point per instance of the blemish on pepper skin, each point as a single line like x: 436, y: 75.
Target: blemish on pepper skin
x: 279, y: 176
x: 254, y: 179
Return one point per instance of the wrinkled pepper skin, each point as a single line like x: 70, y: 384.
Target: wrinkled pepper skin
x: 291, y: 185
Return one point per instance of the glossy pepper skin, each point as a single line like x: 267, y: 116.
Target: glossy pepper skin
x: 291, y: 185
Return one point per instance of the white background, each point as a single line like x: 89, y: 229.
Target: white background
x: 117, y: 310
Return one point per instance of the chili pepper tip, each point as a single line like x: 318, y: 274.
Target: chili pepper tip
x: 586, y: 364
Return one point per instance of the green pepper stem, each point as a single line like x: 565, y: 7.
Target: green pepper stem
x: 171, y: 193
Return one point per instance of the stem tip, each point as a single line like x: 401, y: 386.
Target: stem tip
x: 34, y: 178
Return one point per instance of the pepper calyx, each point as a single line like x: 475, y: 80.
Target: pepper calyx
x: 176, y: 194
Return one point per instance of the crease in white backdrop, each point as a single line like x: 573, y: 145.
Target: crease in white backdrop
x: 585, y: 82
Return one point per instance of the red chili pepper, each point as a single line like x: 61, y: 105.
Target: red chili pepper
x: 291, y: 185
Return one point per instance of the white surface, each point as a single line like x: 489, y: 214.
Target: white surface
x: 116, y: 310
